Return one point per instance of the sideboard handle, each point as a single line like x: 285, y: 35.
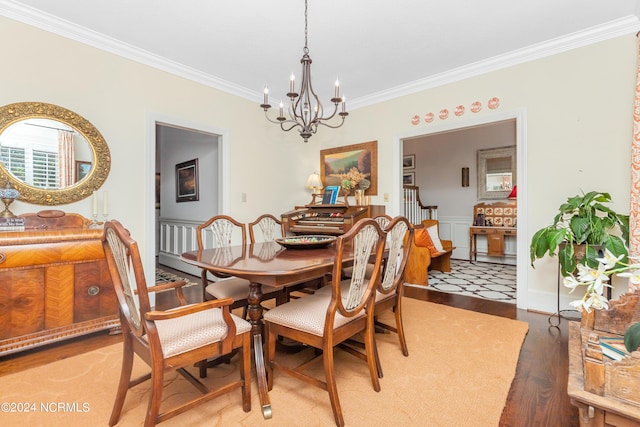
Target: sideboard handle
x: 93, y: 290
x: 3, y: 257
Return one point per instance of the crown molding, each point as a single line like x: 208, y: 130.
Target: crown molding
x: 609, y: 30
x: 89, y: 37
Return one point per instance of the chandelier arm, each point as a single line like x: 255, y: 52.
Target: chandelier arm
x: 333, y: 126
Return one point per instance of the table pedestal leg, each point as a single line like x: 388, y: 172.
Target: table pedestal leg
x: 255, y: 317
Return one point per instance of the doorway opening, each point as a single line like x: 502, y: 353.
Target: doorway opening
x: 444, y: 179
x: 175, y: 217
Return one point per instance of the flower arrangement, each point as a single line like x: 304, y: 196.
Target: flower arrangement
x: 597, y: 279
x: 354, y: 179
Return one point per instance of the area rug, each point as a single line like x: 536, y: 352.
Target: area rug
x: 458, y: 373
x: 481, y: 279
x: 164, y: 276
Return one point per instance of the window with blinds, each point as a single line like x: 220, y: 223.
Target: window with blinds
x: 34, y: 167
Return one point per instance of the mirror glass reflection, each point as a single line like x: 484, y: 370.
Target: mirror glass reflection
x: 45, y: 153
x: 496, y: 172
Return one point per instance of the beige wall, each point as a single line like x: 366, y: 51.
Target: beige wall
x: 577, y: 109
x: 577, y: 128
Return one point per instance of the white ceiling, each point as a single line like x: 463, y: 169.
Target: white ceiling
x: 379, y: 49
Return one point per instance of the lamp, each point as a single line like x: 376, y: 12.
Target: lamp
x: 514, y: 193
x: 8, y: 195
x: 305, y: 110
x: 465, y: 177
x: 314, y: 182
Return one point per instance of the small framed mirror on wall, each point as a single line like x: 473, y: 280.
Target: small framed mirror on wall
x: 496, y: 172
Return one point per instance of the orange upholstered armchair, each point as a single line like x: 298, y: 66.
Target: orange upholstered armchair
x: 429, y: 252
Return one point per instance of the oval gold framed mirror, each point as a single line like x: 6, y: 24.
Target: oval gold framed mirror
x: 51, y: 155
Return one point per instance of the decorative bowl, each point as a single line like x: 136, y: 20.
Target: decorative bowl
x: 306, y: 242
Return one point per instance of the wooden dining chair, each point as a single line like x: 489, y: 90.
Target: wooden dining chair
x: 391, y: 288
x: 222, y: 231
x: 389, y: 292
x: 323, y: 321
x: 267, y: 228
x: 173, y: 339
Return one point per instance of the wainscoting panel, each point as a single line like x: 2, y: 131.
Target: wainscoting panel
x: 177, y: 236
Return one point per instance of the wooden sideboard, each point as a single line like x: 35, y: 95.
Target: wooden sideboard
x: 54, y: 283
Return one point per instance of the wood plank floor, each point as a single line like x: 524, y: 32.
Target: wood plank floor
x: 538, y: 395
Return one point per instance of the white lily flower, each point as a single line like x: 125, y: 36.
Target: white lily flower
x: 596, y: 301
x: 571, y: 282
x: 633, y: 275
x: 609, y: 259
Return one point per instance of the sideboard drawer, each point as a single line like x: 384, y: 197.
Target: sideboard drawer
x: 52, y: 253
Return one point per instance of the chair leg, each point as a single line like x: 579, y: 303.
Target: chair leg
x: 377, y: 359
x: 125, y: 377
x: 245, y: 373
x: 270, y: 354
x: 157, y: 380
x: 205, y: 283
x: 400, y: 328
x: 329, y: 372
x: 372, y: 356
x: 203, y: 368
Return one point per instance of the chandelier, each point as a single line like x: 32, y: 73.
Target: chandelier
x: 305, y: 110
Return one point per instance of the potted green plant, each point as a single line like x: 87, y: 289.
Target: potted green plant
x: 582, y: 220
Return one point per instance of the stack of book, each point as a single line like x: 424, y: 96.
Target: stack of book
x: 11, y: 224
x: 613, y: 347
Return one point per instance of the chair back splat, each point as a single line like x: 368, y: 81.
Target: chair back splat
x: 269, y: 226
x: 175, y: 339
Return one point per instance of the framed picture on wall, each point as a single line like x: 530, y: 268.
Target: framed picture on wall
x: 336, y: 163
x: 409, y: 161
x: 82, y: 169
x: 187, y: 181
x: 408, y: 178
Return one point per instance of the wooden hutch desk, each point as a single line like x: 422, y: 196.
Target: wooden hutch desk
x: 496, y: 221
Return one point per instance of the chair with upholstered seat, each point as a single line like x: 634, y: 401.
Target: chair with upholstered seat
x: 391, y: 287
x: 221, y: 231
x: 323, y: 321
x: 173, y: 339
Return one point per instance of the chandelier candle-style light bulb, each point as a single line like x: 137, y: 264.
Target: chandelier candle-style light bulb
x: 305, y: 110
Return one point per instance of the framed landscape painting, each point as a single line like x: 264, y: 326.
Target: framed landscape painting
x: 187, y: 181
x: 336, y: 162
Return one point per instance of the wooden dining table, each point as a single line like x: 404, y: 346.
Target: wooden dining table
x: 266, y: 263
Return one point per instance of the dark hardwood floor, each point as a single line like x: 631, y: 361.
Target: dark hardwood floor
x: 538, y: 395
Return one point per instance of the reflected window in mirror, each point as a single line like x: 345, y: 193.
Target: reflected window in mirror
x: 496, y: 172
x: 43, y: 153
